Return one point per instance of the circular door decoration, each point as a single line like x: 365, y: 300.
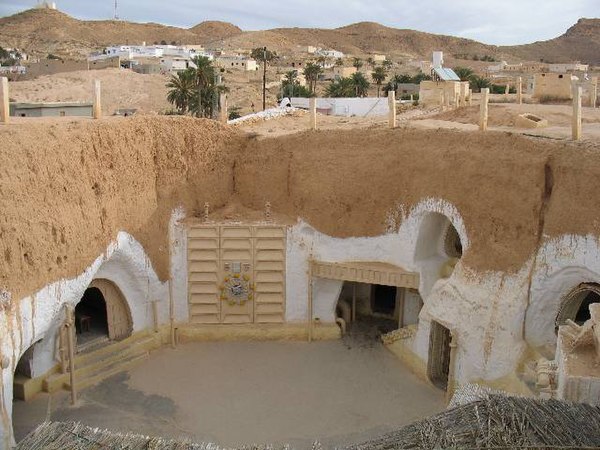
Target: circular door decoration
x: 237, y: 289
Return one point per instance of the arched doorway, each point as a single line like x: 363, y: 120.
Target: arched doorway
x: 24, y: 419
x: 575, y: 305
x: 102, y: 314
x: 439, y: 249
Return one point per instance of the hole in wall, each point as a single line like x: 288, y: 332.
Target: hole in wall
x: 575, y: 305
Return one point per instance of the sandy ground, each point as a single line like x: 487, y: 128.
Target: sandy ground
x: 147, y: 93
x: 501, y: 118
x: 246, y: 392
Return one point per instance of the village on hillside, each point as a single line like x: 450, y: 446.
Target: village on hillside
x: 292, y: 70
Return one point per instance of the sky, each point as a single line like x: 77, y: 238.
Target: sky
x: 505, y: 22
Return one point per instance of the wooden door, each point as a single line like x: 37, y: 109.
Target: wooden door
x: 438, y: 366
x: 118, y: 316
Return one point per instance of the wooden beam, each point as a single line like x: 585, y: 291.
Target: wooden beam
x: 483, y: 112
x: 4, y: 101
x: 576, y: 119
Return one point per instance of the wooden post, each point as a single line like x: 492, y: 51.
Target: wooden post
x: 97, y: 109
x: 456, y: 100
x: 452, y: 372
x: 506, y: 91
x: 483, y: 112
x: 313, y: 113
x: 4, y: 99
x: 401, y: 304
x: 310, y: 301
x: 447, y: 100
x: 576, y: 119
x: 442, y: 102
x: 519, y: 90
x: 594, y: 93
x: 171, y: 313
x: 392, y: 105
x: 155, y: 314
x: 70, y: 326
x: 62, y: 349
x: 223, y: 107
x: 354, y: 302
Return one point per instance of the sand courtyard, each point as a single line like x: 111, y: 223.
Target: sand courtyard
x: 235, y: 393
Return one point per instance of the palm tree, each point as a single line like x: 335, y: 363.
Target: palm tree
x: 290, y: 86
x: 361, y: 85
x: 322, y: 60
x: 181, y: 87
x: 387, y: 64
x: 204, y: 76
x: 259, y: 54
x: 344, y: 87
x: 378, y: 76
x: 357, y: 62
x: 420, y: 77
x: 311, y: 73
x: 464, y: 73
x: 339, y: 62
x: 291, y: 77
x: 479, y: 83
x: 371, y: 62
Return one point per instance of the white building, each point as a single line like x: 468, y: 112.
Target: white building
x: 329, y: 53
x: 237, y: 63
x: 45, y: 5
x: 175, y: 63
x: 571, y: 67
x: 170, y: 57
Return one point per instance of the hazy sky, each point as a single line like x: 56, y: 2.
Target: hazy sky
x: 506, y: 22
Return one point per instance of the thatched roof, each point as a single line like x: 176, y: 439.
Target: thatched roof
x: 499, y: 422
x: 75, y: 436
x: 494, y: 421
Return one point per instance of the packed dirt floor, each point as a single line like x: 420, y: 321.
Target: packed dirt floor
x: 233, y: 393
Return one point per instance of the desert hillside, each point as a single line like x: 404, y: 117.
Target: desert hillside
x: 580, y: 42
x: 213, y: 30
x: 45, y: 31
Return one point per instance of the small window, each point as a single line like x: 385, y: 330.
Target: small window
x: 23, y: 115
x: 62, y: 114
x: 560, y: 76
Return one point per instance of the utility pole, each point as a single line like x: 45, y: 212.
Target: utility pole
x: 264, y: 78
x: 116, y: 13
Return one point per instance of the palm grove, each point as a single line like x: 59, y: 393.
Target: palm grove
x: 196, y: 90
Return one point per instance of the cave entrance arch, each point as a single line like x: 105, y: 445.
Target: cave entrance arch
x: 102, y: 315
x: 575, y: 305
x: 438, y: 250
x: 438, y: 365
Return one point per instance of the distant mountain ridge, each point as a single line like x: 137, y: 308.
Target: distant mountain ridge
x: 44, y: 31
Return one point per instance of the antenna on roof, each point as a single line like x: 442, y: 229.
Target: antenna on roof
x: 116, y: 14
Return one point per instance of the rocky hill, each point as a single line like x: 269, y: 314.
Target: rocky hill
x: 40, y: 32
x: 213, y: 30
x: 43, y: 31
x: 580, y: 42
x: 369, y: 37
